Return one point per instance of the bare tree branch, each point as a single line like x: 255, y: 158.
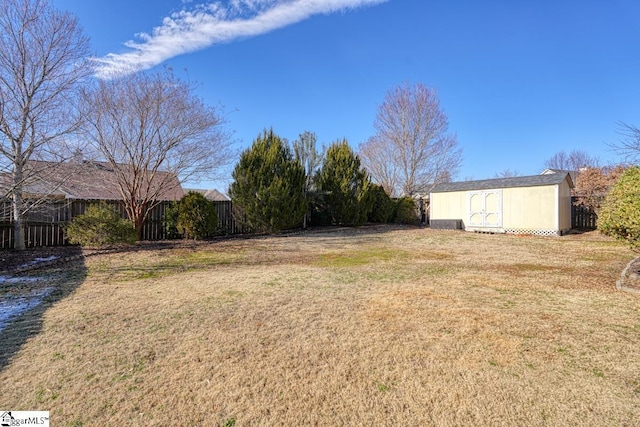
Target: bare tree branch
x: 629, y: 145
x: 507, y: 173
x: 573, y: 161
x: 411, y: 150
x: 379, y: 159
x: 42, y: 64
x: 152, y: 129
x: 594, y: 183
x: 306, y: 152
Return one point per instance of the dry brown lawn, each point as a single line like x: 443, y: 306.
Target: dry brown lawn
x: 376, y: 326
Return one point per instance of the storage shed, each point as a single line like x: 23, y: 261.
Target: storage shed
x: 539, y: 204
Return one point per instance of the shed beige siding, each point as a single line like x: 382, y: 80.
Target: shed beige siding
x: 564, y: 209
x: 531, y: 208
x: 540, y: 209
x: 449, y: 206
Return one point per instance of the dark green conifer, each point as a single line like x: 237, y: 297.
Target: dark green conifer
x: 268, y: 185
x: 345, y: 186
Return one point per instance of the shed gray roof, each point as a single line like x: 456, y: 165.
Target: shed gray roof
x: 513, y: 182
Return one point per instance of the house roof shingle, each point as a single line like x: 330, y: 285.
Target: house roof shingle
x: 512, y: 182
x: 89, y: 180
x: 213, y: 194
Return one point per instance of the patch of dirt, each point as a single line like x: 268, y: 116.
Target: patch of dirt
x: 12, y: 261
x: 17, y: 261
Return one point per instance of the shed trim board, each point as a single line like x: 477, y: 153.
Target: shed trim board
x: 521, y: 205
x: 557, y: 200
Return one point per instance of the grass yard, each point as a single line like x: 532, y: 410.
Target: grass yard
x: 377, y: 326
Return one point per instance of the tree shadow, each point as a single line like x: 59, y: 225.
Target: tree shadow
x: 581, y: 230
x: 365, y: 229
x: 62, y: 279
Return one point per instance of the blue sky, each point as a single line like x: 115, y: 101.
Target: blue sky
x: 519, y: 80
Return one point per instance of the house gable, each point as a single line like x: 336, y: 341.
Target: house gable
x: 92, y: 180
x: 212, y: 194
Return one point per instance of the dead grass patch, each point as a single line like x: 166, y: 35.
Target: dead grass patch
x: 360, y: 257
x: 404, y: 326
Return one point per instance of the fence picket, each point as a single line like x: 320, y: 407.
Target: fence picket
x: 46, y: 226
x: 582, y: 217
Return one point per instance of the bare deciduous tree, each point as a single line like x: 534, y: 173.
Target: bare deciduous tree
x: 152, y: 129
x: 42, y: 53
x: 593, y: 184
x: 572, y: 161
x: 306, y: 151
x: 507, y: 173
x: 412, y: 149
x: 376, y: 158
x: 629, y: 146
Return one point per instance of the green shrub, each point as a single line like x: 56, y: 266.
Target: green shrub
x: 100, y: 226
x: 405, y: 211
x: 196, y: 216
x: 620, y: 214
x: 382, y: 210
x: 170, y: 221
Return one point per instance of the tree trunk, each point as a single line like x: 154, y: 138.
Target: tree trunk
x: 139, y: 225
x: 18, y: 231
x: 139, y: 220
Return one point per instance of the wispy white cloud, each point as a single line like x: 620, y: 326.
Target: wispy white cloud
x: 212, y: 23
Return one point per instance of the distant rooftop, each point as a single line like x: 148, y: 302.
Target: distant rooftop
x: 213, y: 194
x: 89, y: 180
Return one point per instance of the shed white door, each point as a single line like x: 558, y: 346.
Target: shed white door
x: 485, y: 208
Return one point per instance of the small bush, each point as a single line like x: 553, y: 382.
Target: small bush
x: 406, y: 212
x: 196, y: 217
x: 170, y: 221
x: 100, y: 226
x: 620, y: 214
x: 382, y: 210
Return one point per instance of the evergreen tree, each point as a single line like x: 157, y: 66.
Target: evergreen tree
x: 268, y: 185
x: 382, y: 205
x: 620, y: 214
x: 345, y: 186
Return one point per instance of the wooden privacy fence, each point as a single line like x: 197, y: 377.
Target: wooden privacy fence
x: 582, y: 217
x: 45, y: 226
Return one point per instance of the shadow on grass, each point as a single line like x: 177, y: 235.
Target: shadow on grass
x: 366, y: 229
x: 580, y: 231
x: 319, y: 231
x: 62, y: 279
